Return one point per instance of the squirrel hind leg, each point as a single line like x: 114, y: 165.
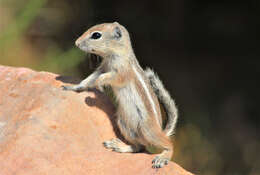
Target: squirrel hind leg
x: 161, y: 160
x: 158, y: 138
x: 119, y: 146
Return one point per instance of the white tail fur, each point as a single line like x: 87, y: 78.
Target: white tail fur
x: 165, y: 99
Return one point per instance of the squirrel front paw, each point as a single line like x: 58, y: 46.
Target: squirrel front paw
x: 73, y: 88
x: 66, y: 88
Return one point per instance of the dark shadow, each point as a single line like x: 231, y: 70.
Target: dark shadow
x: 103, y: 102
x: 68, y: 79
x: 106, y: 105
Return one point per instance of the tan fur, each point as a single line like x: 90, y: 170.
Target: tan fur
x: 138, y: 115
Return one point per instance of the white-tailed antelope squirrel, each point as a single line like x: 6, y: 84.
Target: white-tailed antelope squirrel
x: 137, y: 92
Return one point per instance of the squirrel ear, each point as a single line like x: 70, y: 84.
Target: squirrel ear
x: 116, y: 23
x: 117, y: 32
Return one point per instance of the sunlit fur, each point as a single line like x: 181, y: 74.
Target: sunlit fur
x: 137, y: 92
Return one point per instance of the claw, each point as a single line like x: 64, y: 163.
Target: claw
x: 155, y: 159
x: 105, y: 144
x: 65, y: 88
x: 159, y: 162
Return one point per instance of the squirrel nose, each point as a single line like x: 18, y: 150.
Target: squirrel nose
x: 78, y: 43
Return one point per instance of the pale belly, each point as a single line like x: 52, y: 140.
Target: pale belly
x: 131, y: 112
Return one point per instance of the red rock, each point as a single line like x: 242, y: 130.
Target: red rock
x: 47, y: 131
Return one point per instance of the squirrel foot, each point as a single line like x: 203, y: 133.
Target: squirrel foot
x: 160, y: 160
x: 119, y: 146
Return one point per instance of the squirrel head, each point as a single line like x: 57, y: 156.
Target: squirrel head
x: 105, y: 39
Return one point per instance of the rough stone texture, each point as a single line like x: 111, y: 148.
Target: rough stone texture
x: 45, y: 130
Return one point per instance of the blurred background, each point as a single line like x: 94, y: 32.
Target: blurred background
x: 206, y: 53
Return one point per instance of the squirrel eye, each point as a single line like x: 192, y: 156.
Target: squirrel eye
x: 95, y: 35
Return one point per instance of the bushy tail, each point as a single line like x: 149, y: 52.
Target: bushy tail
x: 165, y: 99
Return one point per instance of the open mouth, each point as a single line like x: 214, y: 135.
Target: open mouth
x: 94, y: 60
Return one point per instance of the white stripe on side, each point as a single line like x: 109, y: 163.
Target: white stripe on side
x: 139, y: 77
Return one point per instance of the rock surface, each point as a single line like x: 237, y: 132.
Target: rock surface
x: 45, y: 130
